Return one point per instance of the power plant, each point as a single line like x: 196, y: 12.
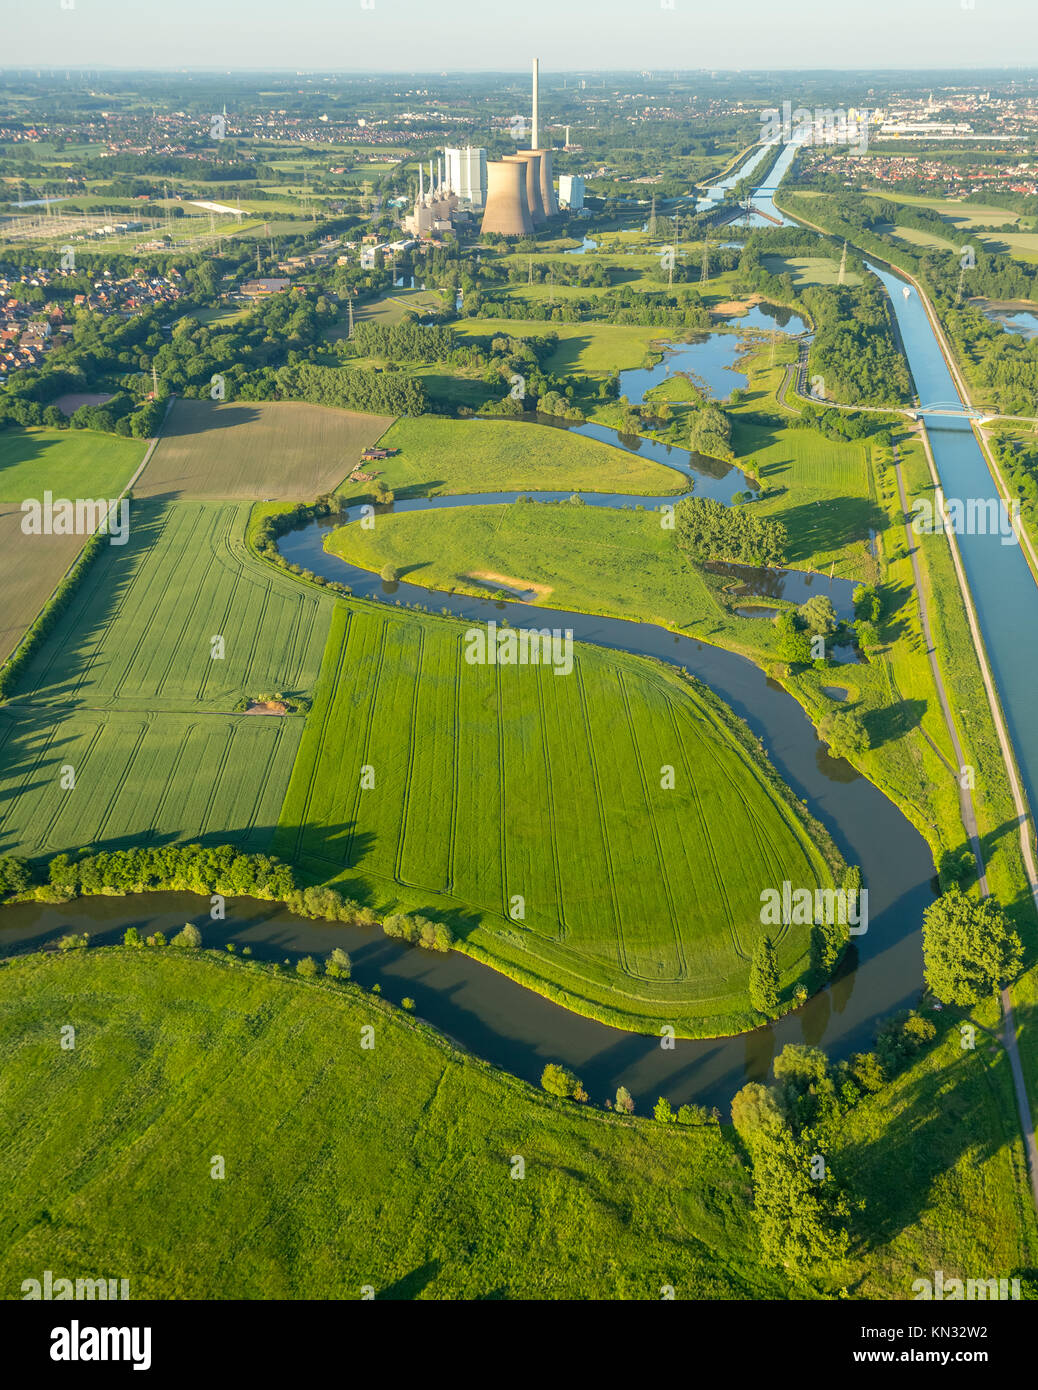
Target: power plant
x: 507, y: 210
x: 531, y: 162
x: 520, y: 195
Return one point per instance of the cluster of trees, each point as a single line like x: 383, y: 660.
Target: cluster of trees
x: 15, y: 875
x: 338, y: 966
x: 710, y: 430
x: 505, y: 357
x: 845, y: 733
x: 800, y: 629
x: 407, y: 341
x: 177, y: 868
x: 121, y: 415
x: 1004, y: 364
x: 616, y: 306
x: 265, y: 537
x: 212, y: 869
x: 1018, y: 459
x: 710, y: 531
x: 854, y: 348
x: 841, y: 425
x: 802, y: 1209
x: 559, y: 1081
x: 189, y: 937
x: 764, y: 978
x: 327, y: 905
x: 281, y: 329
x: 828, y: 940
x: 665, y: 1114
x: 348, y: 388
x: 574, y: 270
x: 419, y: 931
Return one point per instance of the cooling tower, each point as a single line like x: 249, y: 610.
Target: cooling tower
x: 507, y: 210
x: 548, y: 202
x: 532, y: 160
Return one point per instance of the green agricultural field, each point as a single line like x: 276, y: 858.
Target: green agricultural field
x: 31, y: 568
x: 70, y: 463
x: 622, y: 563
x: 388, y: 1167
x: 822, y: 493
x: 595, y: 349
x: 392, y: 308
x: 138, y: 633
x: 960, y: 214
x: 915, y: 236
x: 530, y: 809
x: 810, y: 270
x: 220, y: 314
x: 126, y: 691
x: 141, y: 779
x: 441, y: 456
x: 1022, y: 245
x: 256, y: 449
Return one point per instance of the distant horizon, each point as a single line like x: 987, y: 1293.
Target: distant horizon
x: 409, y: 36
x: 661, y: 74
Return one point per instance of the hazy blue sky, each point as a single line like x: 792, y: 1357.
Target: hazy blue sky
x: 433, y: 35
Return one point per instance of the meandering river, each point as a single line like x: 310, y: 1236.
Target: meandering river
x: 517, y: 1029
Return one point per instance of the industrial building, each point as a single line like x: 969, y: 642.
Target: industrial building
x: 467, y: 175
x: 521, y: 201
x: 531, y: 162
x: 507, y: 210
x: 571, y: 191
x: 435, y: 210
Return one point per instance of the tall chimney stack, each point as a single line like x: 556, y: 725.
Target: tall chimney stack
x: 534, y: 143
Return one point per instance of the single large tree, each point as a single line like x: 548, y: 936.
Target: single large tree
x: 844, y: 732
x: 819, y: 615
x: 969, y: 948
x: 560, y: 1081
